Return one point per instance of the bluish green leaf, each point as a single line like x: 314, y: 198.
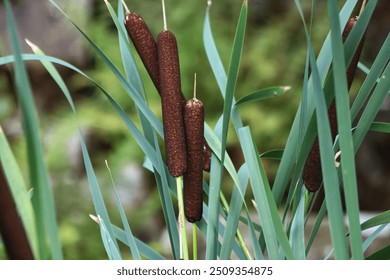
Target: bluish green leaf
x: 380, y: 219
x: 380, y: 127
x: 18, y: 190
x: 42, y: 200
x: 373, y: 236
x: 262, y: 94
x: 345, y: 133
x: 382, y: 254
x: 273, y: 154
x: 297, y: 231
x: 129, y: 234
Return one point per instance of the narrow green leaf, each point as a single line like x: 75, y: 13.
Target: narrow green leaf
x: 373, y: 236
x: 233, y: 75
x: 316, y: 226
x: 258, y: 189
x: 108, y: 240
x: 262, y: 94
x: 380, y: 219
x: 297, y: 231
x: 382, y: 254
x: 42, y: 200
x: 345, y: 133
x: 213, y: 209
x: 212, y: 54
x: 256, y: 246
x: 380, y: 127
x: 373, y: 106
x: 273, y: 154
x: 125, y: 223
x: 18, y: 189
x: 331, y: 183
x: 235, y: 205
x: 227, y: 87
x: 97, y: 197
x: 372, y: 78
x: 144, y: 249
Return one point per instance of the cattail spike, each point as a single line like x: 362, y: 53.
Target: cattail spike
x: 193, y: 177
x: 145, y: 45
x: 312, y: 172
x: 172, y: 103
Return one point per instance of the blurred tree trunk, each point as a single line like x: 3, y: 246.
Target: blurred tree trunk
x: 11, y: 227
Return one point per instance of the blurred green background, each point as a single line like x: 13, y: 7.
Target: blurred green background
x: 274, y: 55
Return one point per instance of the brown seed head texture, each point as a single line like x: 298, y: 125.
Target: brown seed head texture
x: 206, y: 156
x: 312, y: 173
x: 171, y: 101
x: 145, y: 45
x: 193, y: 177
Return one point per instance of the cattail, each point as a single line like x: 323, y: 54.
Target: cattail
x: 171, y: 101
x: 145, y: 45
x: 312, y: 172
x: 206, y: 156
x: 193, y: 177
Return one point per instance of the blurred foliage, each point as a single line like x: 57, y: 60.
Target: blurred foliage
x: 274, y: 54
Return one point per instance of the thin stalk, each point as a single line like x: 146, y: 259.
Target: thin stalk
x: 181, y: 219
x: 194, y: 242
x: 164, y: 16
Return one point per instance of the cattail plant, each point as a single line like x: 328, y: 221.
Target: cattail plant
x: 171, y: 101
x: 144, y: 43
x: 146, y: 48
x: 312, y: 173
x: 206, y: 156
x: 194, y: 127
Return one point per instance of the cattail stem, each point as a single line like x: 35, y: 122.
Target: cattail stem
x: 181, y: 219
x: 194, y: 243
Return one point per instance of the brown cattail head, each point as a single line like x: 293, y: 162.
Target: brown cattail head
x: 193, y: 177
x: 312, y: 172
x: 206, y: 156
x: 145, y: 45
x: 355, y: 59
x: 172, y: 103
